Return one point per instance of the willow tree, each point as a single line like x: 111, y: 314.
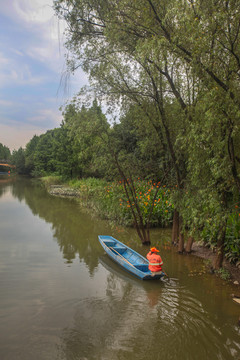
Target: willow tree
x: 209, y: 43
x: 116, y: 59
x: 147, y: 49
x: 203, y: 35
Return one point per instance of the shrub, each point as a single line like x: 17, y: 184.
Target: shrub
x: 110, y: 200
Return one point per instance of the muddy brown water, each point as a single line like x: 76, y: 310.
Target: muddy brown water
x: 63, y: 298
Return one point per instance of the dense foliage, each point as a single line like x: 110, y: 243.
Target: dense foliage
x: 171, y: 69
x: 179, y: 62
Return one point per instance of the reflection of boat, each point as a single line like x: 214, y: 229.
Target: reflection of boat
x: 153, y: 291
x: 113, y: 268
x: 129, y: 259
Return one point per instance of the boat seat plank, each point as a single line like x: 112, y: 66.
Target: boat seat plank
x: 119, y: 249
x: 142, y: 267
x: 109, y: 242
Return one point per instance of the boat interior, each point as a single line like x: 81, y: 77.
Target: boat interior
x: 126, y: 254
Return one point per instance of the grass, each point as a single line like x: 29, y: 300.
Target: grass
x: 51, y: 180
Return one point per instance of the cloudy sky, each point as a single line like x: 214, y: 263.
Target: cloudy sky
x: 31, y: 67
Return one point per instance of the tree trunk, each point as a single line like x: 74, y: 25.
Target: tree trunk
x: 181, y: 243
x: 145, y: 235
x: 220, y: 248
x: 181, y: 237
x: 189, y: 245
x: 175, y: 228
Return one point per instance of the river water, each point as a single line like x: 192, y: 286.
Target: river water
x: 63, y: 298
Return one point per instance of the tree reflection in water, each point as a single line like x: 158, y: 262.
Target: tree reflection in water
x: 69, y: 224
x: 126, y: 318
x: 5, y: 183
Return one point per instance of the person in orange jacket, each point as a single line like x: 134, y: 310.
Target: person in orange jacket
x: 155, y: 260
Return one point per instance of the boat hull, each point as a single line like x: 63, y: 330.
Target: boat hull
x: 128, y: 259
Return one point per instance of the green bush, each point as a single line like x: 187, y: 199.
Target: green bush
x: 232, y: 238
x: 223, y: 273
x: 232, y: 244
x: 51, y: 180
x: 110, y: 200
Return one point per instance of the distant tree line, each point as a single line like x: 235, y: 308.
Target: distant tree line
x: 5, y: 153
x: 86, y: 145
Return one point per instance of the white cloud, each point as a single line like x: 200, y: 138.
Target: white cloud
x: 37, y: 11
x: 47, y: 54
x: 28, y: 11
x: 31, y: 54
x: 3, y: 59
x: 6, y: 103
x: 37, y: 18
x: 17, y: 52
x: 51, y: 116
x: 11, y: 73
x: 44, y: 40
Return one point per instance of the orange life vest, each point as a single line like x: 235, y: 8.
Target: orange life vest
x: 155, y: 262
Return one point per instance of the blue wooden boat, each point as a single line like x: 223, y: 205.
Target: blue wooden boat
x: 129, y: 259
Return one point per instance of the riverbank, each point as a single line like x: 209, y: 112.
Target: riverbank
x: 229, y: 270
x: 209, y: 255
